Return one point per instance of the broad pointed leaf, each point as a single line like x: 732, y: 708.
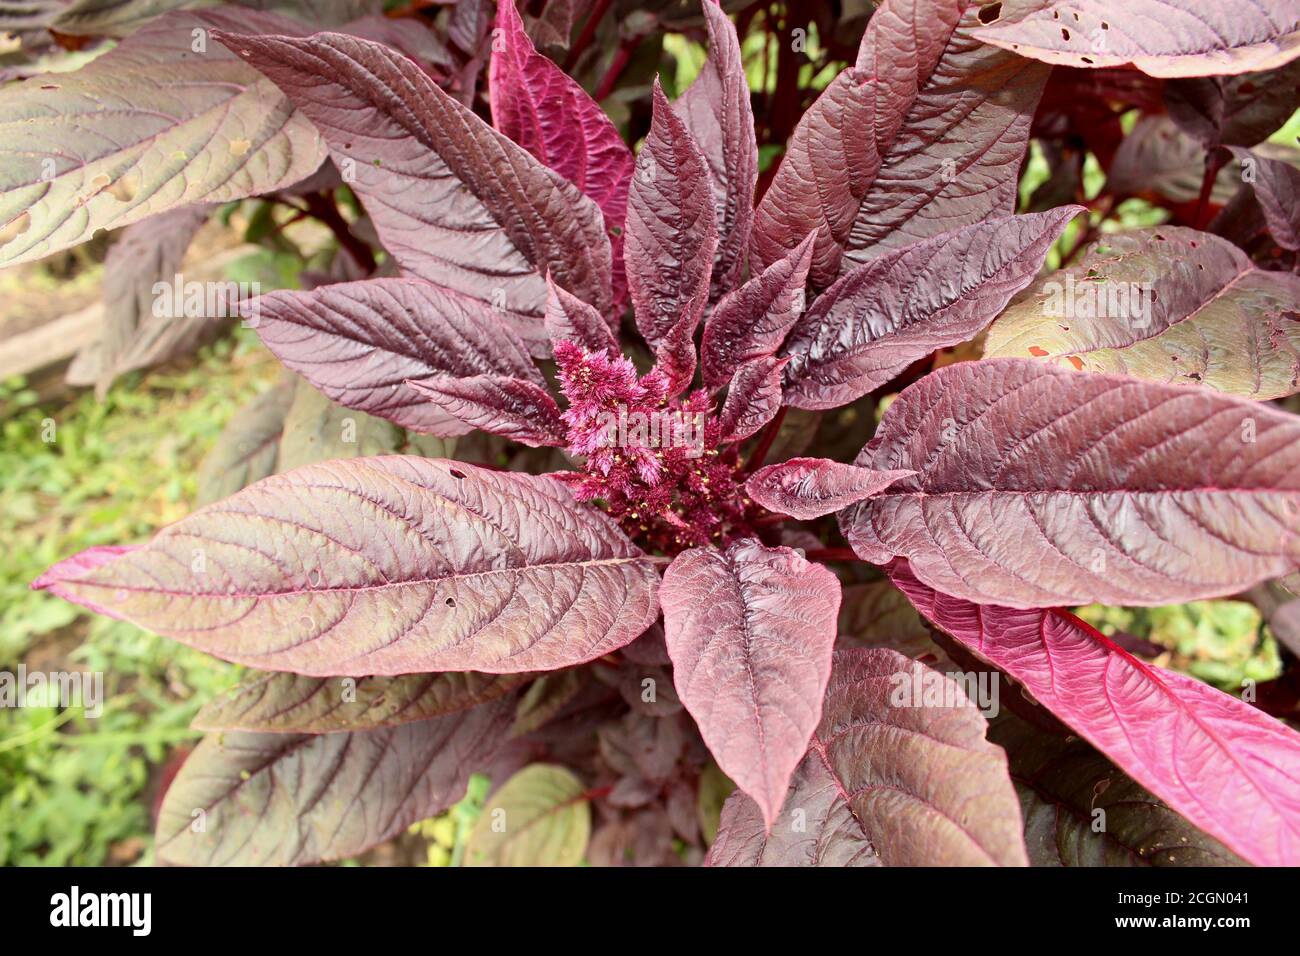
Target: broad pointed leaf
x: 1229, y: 768
x: 1166, y: 304
x: 248, y: 447
x: 1037, y: 486
x: 923, y: 135
x: 877, y: 614
x: 456, y: 202
x: 885, y: 783
x: 137, y: 334
x: 384, y: 566
x: 717, y: 111
x: 548, y: 113
x: 881, y: 317
x: 514, y: 408
x: 359, y: 342
x: 540, y: 817
x: 1160, y: 162
x: 1159, y: 37
x: 292, y: 703
x: 671, y: 238
x: 753, y: 398
x: 808, y: 488
x: 117, y: 18
x: 147, y: 127
x: 316, y: 429
x: 750, y: 632
x: 1082, y: 810
x: 751, y: 322
x: 1277, y: 187
x: 291, y: 799
x: 1234, y: 110
x: 569, y: 319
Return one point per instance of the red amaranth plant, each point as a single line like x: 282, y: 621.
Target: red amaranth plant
x: 663, y: 492
x: 613, y: 624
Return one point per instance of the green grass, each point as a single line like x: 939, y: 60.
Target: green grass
x: 75, y: 790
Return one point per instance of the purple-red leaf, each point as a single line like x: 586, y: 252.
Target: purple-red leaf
x: 290, y: 799
x: 248, y: 446
x: 359, y: 342
x: 1159, y: 37
x: 1229, y: 768
x: 1062, y: 783
x: 150, y: 126
x: 1167, y: 304
x: 808, y: 488
x: 456, y: 202
x: 390, y: 565
x: 882, y: 316
x: 1277, y: 187
x: 513, y: 408
x: 548, y: 113
x: 717, y: 111
x: 1038, y: 486
x: 751, y: 322
x: 923, y: 135
x: 1233, y: 110
x: 291, y: 703
x: 569, y: 319
x: 899, y: 784
x: 750, y: 632
x: 671, y: 238
x: 753, y: 398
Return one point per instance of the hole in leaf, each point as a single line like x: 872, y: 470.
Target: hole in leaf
x: 990, y: 12
x: 1077, y: 363
x: 1065, y: 34
x: 1086, y: 59
x: 1035, y: 350
x: 450, y: 602
x: 456, y: 473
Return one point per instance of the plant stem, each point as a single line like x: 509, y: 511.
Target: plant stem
x: 1213, y: 163
x: 765, y: 443
x: 831, y: 554
x: 584, y: 38
x: 322, y: 208
x: 616, y: 67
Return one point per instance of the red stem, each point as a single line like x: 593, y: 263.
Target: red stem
x: 616, y: 67
x: 831, y: 554
x: 584, y: 38
x: 765, y: 443
x: 322, y: 207
x: 1213, y: 163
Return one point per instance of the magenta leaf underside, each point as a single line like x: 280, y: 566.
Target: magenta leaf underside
x: 1230, y: 769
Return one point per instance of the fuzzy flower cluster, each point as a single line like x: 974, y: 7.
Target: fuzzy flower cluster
x: 668, y: 493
